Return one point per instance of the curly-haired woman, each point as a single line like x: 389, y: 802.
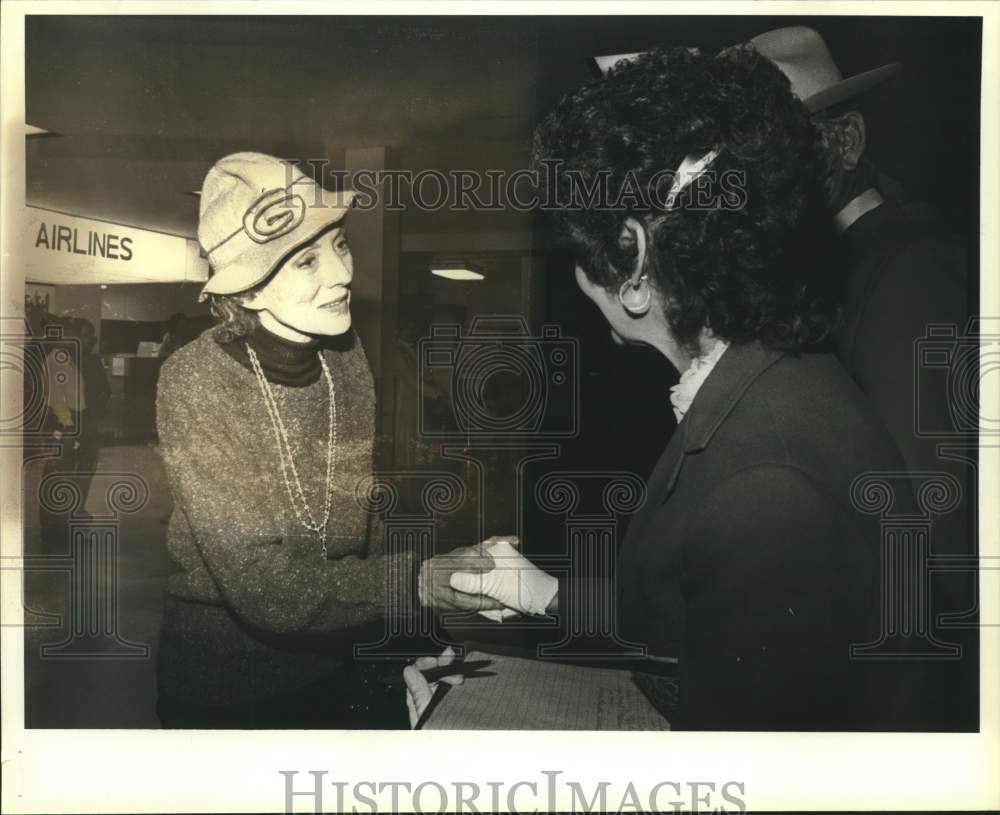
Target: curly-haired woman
x: 266, y: 427
x: 748, y: 562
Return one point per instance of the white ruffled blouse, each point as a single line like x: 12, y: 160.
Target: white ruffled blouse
x: 682, y: 394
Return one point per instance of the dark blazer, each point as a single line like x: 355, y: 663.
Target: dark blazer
x: 748, y: 560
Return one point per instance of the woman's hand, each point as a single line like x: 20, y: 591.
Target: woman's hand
x: 434, y: 583
x: 419, y: 691
x: 515, y: 582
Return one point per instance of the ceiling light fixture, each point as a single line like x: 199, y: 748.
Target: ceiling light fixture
x: 460, y: 273
x: 32, y: 130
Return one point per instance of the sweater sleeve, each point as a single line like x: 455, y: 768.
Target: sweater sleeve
x: 268, y: 582
x: 761, y: 598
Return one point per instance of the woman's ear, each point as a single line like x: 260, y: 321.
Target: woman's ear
x: 634, y: 232
x: 255, y: 301
x: 853, y: 139
x: 635, y: 293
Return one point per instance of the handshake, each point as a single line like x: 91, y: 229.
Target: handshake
x: 492, y: 577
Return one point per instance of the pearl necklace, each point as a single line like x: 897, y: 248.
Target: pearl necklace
x: 281, y: 436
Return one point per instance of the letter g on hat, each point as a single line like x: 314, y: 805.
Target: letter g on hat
x: 255, y: 210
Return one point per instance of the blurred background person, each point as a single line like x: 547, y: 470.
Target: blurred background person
x: 66, y: 417
x: 179, y: 331
x: 96, y: 394
x: 901, y: 271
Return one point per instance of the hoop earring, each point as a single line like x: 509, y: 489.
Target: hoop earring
x: 631, y: 299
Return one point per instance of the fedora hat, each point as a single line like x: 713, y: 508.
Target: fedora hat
x: 255, y: 210
x: 801, y: 55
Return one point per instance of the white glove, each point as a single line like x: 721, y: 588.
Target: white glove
x: 515, y: 581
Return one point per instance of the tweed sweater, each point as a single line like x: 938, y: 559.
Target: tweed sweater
x: 256, y: 610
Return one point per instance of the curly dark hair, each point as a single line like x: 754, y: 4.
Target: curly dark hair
x: 235, y: 320
x: 748, y: 269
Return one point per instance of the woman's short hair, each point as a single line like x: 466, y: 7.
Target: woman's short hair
x: 236, y: 321
x: 739, y: 251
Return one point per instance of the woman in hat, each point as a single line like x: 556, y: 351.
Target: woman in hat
x: 754, y: 561
x: 266, y: 427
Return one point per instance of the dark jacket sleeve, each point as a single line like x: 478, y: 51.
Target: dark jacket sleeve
x: 761, y: 647
x: 269, y: 583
